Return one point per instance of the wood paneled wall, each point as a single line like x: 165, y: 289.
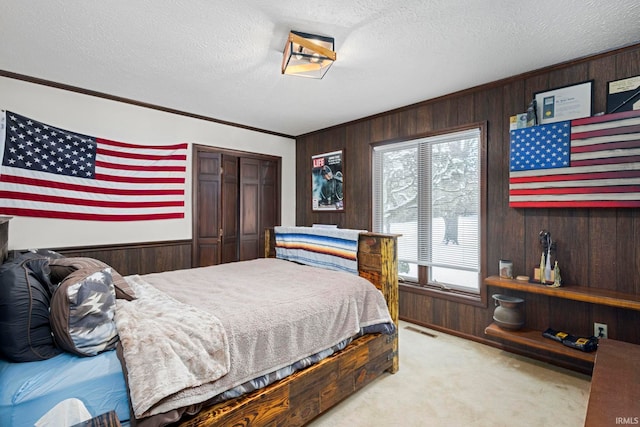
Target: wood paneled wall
x: 141, y: 258
x: 596, y: 247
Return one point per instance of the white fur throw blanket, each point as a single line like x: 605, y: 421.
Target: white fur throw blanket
x: 171, y: 350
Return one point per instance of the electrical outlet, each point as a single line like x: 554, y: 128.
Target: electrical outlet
x: 600, y: 330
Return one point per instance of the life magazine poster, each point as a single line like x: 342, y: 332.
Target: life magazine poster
x: 327, y: 182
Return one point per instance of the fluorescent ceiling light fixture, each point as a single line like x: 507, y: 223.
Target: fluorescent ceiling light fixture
x: 307, y: 55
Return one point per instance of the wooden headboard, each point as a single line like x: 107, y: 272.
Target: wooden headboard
x: 4, y: 237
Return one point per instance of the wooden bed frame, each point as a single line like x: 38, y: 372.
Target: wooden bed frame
x: 299, y: 398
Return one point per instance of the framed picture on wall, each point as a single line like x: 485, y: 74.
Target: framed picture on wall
x: 564, y: 103
x: 623, y: 95
x: 327, y: 181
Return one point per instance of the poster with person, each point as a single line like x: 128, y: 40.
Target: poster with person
x: 327, y: 181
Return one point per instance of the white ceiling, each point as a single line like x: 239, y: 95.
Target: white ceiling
x: 221, y: 59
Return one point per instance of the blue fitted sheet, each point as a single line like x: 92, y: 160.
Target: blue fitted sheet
x: 29, y: 390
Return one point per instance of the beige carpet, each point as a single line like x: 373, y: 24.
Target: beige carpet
x: 449, y: 381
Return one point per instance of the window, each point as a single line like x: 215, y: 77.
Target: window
x: 430, y: 190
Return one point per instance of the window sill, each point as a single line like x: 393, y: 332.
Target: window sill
x: 477, y: 300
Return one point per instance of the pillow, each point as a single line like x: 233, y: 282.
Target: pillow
x: 25, y: 294
x: 82, y: 312
x: 47, y: 253
x: 62, y: 267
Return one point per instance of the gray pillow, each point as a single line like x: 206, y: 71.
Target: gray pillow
x: 82, y: 312
x: 62, y: 267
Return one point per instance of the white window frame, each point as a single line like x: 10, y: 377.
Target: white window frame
x: 472, y: 284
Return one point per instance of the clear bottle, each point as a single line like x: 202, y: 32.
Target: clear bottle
x: 547, y: 267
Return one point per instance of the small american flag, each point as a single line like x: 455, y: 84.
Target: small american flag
x: 590, y: 162
x: 53, y: 173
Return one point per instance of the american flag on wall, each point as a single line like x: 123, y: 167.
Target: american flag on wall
x: 53, y: 173
x: 590, y: 162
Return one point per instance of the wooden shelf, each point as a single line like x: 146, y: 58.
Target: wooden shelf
x: 534, y: 339
x: 575, y: 293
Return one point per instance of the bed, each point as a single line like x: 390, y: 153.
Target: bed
x: 313, y: 383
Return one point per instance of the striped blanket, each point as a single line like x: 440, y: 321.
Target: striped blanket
x: 330, y: 248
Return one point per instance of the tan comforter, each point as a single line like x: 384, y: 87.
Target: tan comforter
x: 274, y: 313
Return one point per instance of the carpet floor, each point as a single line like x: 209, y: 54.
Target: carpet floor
x: 445, y: 380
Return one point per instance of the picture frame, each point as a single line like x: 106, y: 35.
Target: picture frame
x: 327, y: 181
x: 565, y: 103
x: 623, y: 95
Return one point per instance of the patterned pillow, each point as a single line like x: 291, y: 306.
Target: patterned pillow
x: 62, y: 267
x: 82, y: 312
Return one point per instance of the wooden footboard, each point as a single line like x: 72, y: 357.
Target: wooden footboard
x: 378, y: 262
x: 299, y: 398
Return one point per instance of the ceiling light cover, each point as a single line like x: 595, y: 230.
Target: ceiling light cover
x: 307, y: 55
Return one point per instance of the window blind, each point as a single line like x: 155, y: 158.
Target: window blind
x: 425, y: 187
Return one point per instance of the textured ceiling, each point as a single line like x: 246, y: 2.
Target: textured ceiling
x: 222, y: 59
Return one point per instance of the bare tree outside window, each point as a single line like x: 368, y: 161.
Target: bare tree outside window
x: 428, y: 190
x: 455, y: 184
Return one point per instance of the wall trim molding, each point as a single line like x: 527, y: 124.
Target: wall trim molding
x: 70, y: 88
x: 121, y: 246
x: 484, y: 86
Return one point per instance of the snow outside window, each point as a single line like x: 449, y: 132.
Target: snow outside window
x: 429, y: 191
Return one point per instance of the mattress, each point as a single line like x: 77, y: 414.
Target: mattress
x: 30, y: 390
